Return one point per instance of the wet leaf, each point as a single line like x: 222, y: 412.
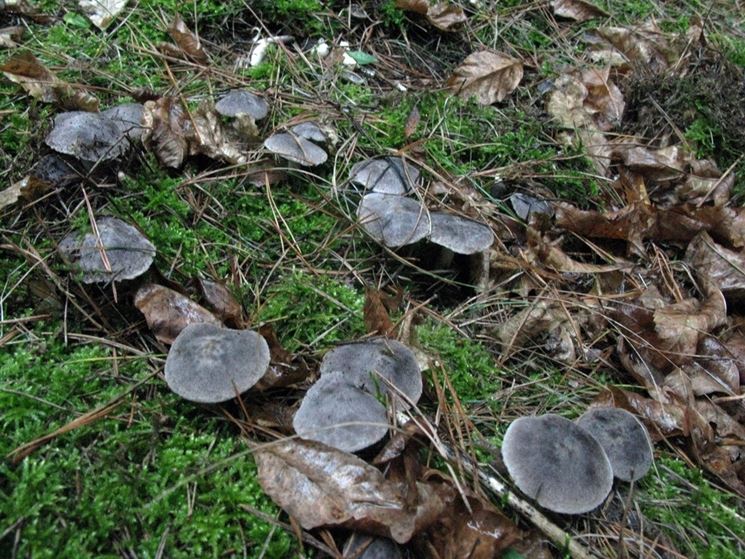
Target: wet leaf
x: 578, y: 10
x: 102, y: 12
x: 488, y: 76
x: 168, y: 312
x: 544, y: 253
x: 212, y: 138
x: 321, y: 486
x: 718, y: 264
x: 705, y: 183
x: 222, y: 302
x: 39, y: 82
x: 375, y: 314
x: 187, y: 41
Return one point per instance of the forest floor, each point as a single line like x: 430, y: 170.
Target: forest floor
x: 100, y: 459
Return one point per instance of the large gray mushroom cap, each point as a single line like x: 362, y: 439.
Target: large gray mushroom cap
x: 87, y: 136
x: 340, y: 414
x: 557, y: 463
x: 239, y: 102
x: 624, y: 439
x: 296, y: 148
x: 387, y: 175
x: 128, y: 252
x: 128, y: 117
x: 459, y: 234
x: 364, y: 363
x: 310, y: 131
x: 210, y: 364
x: 393, y: 220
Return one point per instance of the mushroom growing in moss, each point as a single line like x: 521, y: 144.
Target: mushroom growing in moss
x: 241, y: 102
x: 393, y: 220
x: 386, y: 175
x: 210, y: 364
x: 296, y: 148
x: 624, y: 439
x: 557, y: 463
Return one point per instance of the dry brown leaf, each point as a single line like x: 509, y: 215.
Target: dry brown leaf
x: 644, y: 45
x: 416, y: 6
x: 211, y: 138
x: 28, y: 188
x: 283, y: 370
x: 545, y: 319
x: 39, y: 82
x: 412, y: 122
x: 544, y: 253
x: 11, y: 36
x: 658, y: 164
x: 187, y: 41
x: 102, y: 12
x: 723, y: 267
x: 488, y: 76
x: 321, y: 486
x: 705, y: 183
x: 167, y: 312
x: 443, y: 15
x: 222, y: 302
x: 167, y: 128
x: 375, y: 314
x: 578, y: 10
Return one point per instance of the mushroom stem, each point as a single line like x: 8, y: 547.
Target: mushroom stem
x: 559, y: 537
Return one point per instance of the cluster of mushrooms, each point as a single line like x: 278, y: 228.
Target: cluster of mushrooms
x: 566, y: 467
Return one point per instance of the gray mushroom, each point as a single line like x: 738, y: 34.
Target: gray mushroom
x: 393, y: 220
x: 459, y: 234
x: 386, y: 175
x: 296, y: 148
x: 363, y: 363
x: 341, y: 415
x: 526, y: 206
x: 624, y: 439
x: 239, y: 101
x: 362, y: 546
x: 128, y: 253
x: 557, y: 463
x: 310, y: 131
x: 128, y: 118
x: 89, y: 137
x: 210, y: 364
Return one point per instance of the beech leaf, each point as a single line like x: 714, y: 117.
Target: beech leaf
x: 486, y: 75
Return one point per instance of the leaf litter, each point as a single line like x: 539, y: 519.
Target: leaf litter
x: 651, y: 272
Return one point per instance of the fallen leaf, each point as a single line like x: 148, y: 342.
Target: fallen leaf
x: 187, y: 41
x: 643, y: 45
x: 443, y: 15
x: 586, y: 99
x: 166, y: 128
x: 222, y: 302
x: 375, y: 314
x: 212, y: 138
x: 544, y: 253
x: 661, y: 164
x: 11, y: 36
x: 717, y: 264
x: 284, y: 370
x: 28, y: 188
x: 537, y: 319
x: 412, y: 121
x: 488, y: 76
x: 39, y: 82
x: 321, y: 486
x: 167, y: 312
x: 102, y: 12
x: 578, y: 10
x: 705, y: 183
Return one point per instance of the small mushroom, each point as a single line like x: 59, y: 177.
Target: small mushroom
x: 128, y: 254
x: 296, y: 148
x: 557, y: 463
x: 239, y: 102
x: 459, y: 234
x: 87, y: 136
x: 340, y: 414
x: 624, y: 439
x: 210, y: 364
x: 393, y: 220
x: 362, y: 362
x: 526, y: 206
x: 386, y: 175
x: 310, y: 131
x: 362, y: 546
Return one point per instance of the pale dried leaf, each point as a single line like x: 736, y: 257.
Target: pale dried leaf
x: 488, y: 76
x: 578, y: 10
x: 11, y: 36
x: 187, y: 41
x: 718, y: 264
x: 446, y: 16
x: 102, y: 12
x: 28, y: 188
x: 166, y: 129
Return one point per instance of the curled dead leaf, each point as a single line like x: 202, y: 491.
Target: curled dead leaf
x: 486, y: 75
x: 187, y: 41
x: 222, y: 302
x: 717, y: 264
x: 444, y: 16
x: 166, y: 127
x: 578, y: 10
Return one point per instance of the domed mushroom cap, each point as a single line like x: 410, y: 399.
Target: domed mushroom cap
x: 239, y: 102
x: 310, y: 131
x: 624, y: 439
x: 211, y: 364
x: 87, y: 136
x: 557, y: 463
x: 459, y: 234
x: 362, y: 546
x: 386, y: 175
x: 393, y: 220
x: 340, y: 414
x: 128, y: 117
x: 362, y: 362
x: 296, y: 148
x: 128, y: 252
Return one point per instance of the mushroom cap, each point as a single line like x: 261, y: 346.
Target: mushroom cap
x: 87, y: 136
x: 240, y: 101
x: 310, y: 131
x: 624, y: 439
x: 362, y: 362
x: 339, y: 414
x: 129, y: 253
x: 211, y: 364
x: 296, y: 148
x: 557, y: 463
x: 393, y: 220
x: 386, y: 175
x: 362, y: 546
x: 460, y: 234
x: 526, y: 205
x: 128, y: 117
